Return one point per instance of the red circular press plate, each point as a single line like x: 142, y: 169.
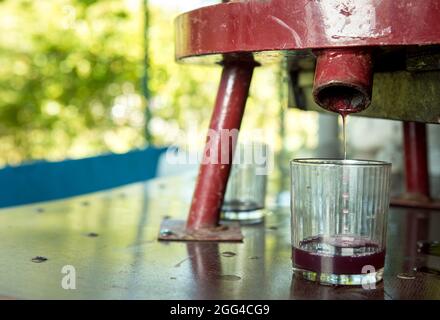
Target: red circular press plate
x: 284, y: 25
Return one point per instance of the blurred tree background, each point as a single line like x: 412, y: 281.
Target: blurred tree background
x: 71, y: 83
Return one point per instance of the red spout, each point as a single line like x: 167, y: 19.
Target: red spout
x: 343, y: 79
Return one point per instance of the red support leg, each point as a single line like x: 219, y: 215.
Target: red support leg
x: 227, y: 115
x: 416, y: 160
x: 204, y: 215
x: 417, y: 193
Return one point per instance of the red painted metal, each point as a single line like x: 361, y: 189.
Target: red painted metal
x: 227, y: 115
x: 416, y: 159
x: 250, y: 26
x: 343, y: 79
x: 343, y: 34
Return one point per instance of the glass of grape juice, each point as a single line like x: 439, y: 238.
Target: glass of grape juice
x: 339, y: 219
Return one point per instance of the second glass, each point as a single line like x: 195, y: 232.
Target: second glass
x: 246, y: 191
x: 339, y: 219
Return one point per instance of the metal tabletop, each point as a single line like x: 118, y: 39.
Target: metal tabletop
x: 110, y: 239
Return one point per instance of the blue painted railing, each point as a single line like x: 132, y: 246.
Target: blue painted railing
x: 44, y: 181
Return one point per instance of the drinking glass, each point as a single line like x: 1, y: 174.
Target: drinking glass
x: 246, y: 190
x: 339, y: 219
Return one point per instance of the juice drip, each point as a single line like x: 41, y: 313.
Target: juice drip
x: 345, y: 177
x: 344, y: 133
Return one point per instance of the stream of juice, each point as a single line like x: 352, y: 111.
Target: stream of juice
x: 344, y: 133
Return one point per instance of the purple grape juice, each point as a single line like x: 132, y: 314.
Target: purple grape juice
x: 338, y: 255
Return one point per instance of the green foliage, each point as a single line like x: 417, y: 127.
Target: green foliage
x: 63, y: 64
x: 71, y: 83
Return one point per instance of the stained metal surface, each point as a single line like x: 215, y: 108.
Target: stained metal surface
x: 123, y: 259
x: 283, y: 25
x: 220, y: 144
x: 175, y: 230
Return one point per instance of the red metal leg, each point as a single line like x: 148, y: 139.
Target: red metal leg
x: 416, y: 159
x: 204, y: 216
x: 227, y: 115
x: 416, y: 169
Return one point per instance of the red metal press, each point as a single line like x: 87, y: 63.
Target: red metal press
x: 377, y: 58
